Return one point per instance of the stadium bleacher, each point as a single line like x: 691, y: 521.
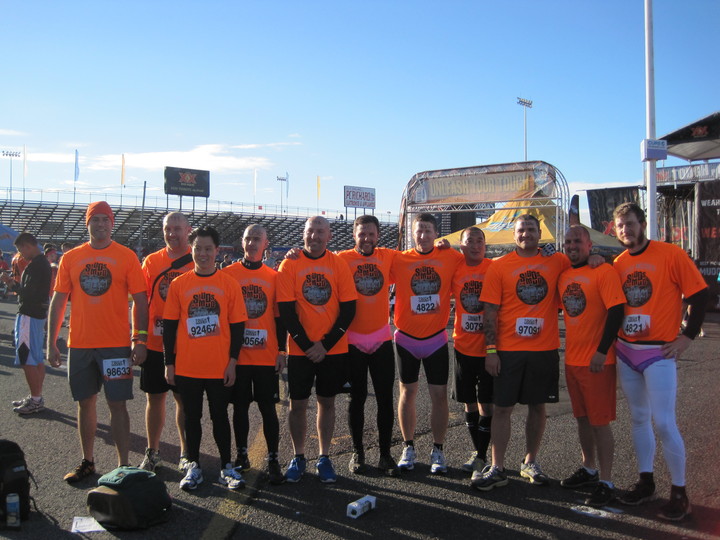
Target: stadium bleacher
x: 65, y: 222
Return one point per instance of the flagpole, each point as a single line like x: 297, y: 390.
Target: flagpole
x: 77, y: 173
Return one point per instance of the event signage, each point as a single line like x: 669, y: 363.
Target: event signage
x: 359, y: 197
x: 187, y: 182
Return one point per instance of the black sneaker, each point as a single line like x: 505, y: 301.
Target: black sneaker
x: 357, y: 463
x: 82, y: 471
x: 677, y: 508
x: 602, y: 496
x: 243, y: 461
x: 388, y: 465
x: 275, y: 473
x: 580, y: 478
x: 641, y: 492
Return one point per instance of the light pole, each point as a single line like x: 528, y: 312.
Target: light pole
x: 526, y: 104
x: 11, y: 154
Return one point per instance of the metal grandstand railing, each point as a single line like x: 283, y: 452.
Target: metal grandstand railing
x: 135, y: 227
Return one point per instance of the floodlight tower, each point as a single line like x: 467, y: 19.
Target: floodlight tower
x: 526, y: 104
x: 11, y: 154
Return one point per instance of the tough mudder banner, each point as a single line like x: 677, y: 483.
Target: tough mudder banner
x: 187, y: 182
x: 602, y: 203
x: 489, y: 184
x: 709, y: 228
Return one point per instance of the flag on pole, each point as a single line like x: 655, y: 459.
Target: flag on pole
x: 122, y: 172
x: 287, y: 184
x: 77, y: 166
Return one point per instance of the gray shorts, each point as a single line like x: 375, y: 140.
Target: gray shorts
x: 91, y: 369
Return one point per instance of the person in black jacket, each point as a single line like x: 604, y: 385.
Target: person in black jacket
x: 33, y: 292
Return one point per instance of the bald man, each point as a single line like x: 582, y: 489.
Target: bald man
x: 316, y: 298
x: 159, y: 269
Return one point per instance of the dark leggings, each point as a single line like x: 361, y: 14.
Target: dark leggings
x: 192, y: 391
x: 381, y: 365
x: 271, y: 426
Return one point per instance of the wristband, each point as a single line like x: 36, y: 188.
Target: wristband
x: 139, y: 332
x: 491, y: 351
x: 491, y: 346
x: 139, y: 342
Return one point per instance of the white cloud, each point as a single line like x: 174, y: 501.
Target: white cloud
x: 52, y: 157
x: 12, y: 133
x: 265, y: 145
x: 212, y: 157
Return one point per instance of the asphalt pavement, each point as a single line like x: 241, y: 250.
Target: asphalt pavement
x: 418, y: 505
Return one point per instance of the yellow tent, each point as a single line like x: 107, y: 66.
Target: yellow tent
x: 499, y: 228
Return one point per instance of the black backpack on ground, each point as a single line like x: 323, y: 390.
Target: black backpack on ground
x: 129, y: 498
x: 14, y: 478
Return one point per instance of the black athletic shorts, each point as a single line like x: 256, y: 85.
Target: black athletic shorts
x: 472, y: 383
x: 329, y: 376
x: 152, y: 374
x: 527, y: 377
x: 256, y: 383
x: 436, y: 365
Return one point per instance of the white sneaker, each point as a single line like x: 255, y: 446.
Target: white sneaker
x: 407, y: 460
x: 231, y: 477
x: 437, y: 461
x: 193, y: 477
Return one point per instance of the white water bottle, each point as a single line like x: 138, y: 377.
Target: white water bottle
x: 357, y: 508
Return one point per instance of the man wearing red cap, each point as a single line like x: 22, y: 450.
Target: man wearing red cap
x: 100, y: 274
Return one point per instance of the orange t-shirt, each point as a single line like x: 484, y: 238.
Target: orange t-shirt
x: 153, y: 265
x: 422, y: 290
x: 654, y: 283
x: 525, y: 288
x: 317, y: 286
x: 205, y: 307
x: 99, y: 281
x: 260, y: 344
x: 586, y: 295
x: 371, y: 274
x: 468, y: 335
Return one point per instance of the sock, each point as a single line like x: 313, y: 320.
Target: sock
x: 590, y: 471
x: 472, y: 420
x: 300, y: 456
x: 438, y: 446
x: 410, y: 443
x: 484, y: 435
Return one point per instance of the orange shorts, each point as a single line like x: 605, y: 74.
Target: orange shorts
x: 592, y: 394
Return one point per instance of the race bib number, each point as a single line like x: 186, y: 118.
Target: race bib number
x: 207, y: 325
x: 255, y: 338
x: 636, y: 325
x: 423, y: 305
x: 528, y: 327
x: 117, y: 368
x: 472, y: 323
x: 158, y: 327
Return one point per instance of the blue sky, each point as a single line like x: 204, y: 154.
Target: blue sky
x: 363, y: 93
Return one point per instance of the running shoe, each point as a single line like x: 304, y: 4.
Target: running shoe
x: 407, y: 460
x: 357, y: 463
x: 601, y: 496
x: 437, y: 461
x: 275, y: 472
x: 534, y: 473
x: 151, y: 460
x: 193, y: 477
x: 183, y: 463
x: 232, y: 477
x: 388, y: 466
x: 325, y: 470
x: 677, y: 508
x: 642, y: 491
x: 474, y: 464
x: 580, y: 478
x: 85, y: 469
x: 490, y: 478
x: 243, y: 461
x: 30, y: 406
x: 20, y: 402
x: 296, y: 469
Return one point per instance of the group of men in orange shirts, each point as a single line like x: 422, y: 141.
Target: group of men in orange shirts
x: 223, y: 333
